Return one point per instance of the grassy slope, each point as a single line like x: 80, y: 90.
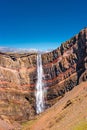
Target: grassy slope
x: 70, y: 113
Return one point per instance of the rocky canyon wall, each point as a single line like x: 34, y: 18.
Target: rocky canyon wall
x: 17, y: 98
x: 64, y: 68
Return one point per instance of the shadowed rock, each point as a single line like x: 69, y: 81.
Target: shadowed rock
x: 64, y: 68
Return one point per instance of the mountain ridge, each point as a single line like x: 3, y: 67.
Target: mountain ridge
x: 64, y: 68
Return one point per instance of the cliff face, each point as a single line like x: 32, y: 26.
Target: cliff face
x: 63, y: 69
x: 17, y: 99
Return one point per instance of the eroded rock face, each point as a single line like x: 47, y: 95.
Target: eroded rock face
x: 17, y: 83
x: 63, y: 69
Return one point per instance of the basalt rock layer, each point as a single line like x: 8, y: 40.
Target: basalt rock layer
x: 63, y: 69
x: 17, y: 98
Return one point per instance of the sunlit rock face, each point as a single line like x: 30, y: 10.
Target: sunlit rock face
x: 17, y: 84
x: 63, y: 68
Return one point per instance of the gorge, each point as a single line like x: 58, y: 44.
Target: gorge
x: 22, y: 78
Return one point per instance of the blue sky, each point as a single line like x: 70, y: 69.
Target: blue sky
x: 41, y: 24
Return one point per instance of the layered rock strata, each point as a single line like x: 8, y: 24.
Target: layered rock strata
x: 17, y: 98
x: 63, y: 69
x: 66, y: 66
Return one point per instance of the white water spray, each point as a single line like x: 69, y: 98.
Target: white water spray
x: 39, y: 86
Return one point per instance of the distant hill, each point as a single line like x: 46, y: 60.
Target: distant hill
x: 17, y: 50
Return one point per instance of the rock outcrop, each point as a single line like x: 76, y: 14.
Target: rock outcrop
x: 63, y: 69
x: 17, y: 98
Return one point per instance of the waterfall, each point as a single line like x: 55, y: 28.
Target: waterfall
x: 39, y: 86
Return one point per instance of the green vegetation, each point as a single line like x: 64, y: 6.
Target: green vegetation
x: 81, y: 126
x: 26, y: 125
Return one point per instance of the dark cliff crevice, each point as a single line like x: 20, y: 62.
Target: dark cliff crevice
x: 64, y: 68
x: 63, y: 63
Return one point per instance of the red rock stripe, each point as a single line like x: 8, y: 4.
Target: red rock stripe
x: 45, y: 81
x: 56, y: 60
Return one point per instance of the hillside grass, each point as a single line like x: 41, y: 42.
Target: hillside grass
x: 81, y: 126
x: 28, y: 124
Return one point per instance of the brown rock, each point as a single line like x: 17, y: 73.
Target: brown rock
x: 64, y: 68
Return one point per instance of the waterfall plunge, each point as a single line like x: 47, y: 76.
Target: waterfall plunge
x: 39, y: 86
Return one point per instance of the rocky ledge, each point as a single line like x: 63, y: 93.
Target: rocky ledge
x: 63, y: 69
